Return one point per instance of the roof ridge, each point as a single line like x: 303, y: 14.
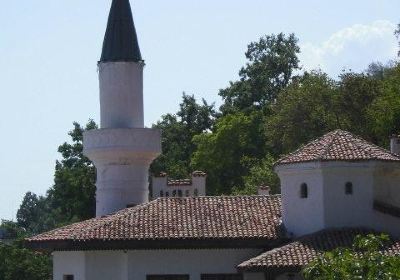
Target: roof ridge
x: 326, y: 150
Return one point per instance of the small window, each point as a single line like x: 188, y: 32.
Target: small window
x: 196, y: 192
x: 161, y: 193
x: 180, y: 193
x: 221, y: 277
x: 349, y: 188
x: 167, y: 194
x: 167, y: 277
x: 187, y: 193
x: 304, y: 190
x: 174, y: 193
x: 68, y: 277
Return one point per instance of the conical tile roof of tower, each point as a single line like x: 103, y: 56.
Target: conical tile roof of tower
x: 338, y: 145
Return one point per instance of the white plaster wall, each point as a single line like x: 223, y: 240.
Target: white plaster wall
x: 69, y: 263
x: 341, y: 210
x: 199, y: 183
x: 192, y: 262
x: 107, y: 265
x: 253, y: 276
x: 289, y: 276
x: 122, y: 158
x: 301, y: 215
x: 387, y: 183
x: 121, y: 94
x: 135, y: 265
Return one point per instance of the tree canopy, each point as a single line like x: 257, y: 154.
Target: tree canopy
x: 365, y: 260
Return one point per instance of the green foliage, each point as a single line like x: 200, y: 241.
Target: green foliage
x: 260, y: 173
x: 364, y: 260
x: 221, y: 153
x: 72, y: 198
x: 11, y: 230
x: 384, y: 112
x: 271, y: 63
x: 303, y: 111
x: 33, y: 214
x: 17, y: 263
x: 21, y: 264
x: 177, y: 133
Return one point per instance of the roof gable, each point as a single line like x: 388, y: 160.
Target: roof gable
x: 339, y: 145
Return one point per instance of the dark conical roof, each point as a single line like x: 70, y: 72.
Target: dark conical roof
x: 120, y: 41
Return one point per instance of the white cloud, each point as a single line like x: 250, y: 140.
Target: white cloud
x: 353, y: 48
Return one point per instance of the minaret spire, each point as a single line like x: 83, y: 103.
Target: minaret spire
x: 122, y: 149
x: 120, y: 41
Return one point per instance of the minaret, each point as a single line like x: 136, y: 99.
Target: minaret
x: 122, y: 149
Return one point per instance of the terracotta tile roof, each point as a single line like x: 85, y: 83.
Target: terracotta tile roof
x: 168, y: 219
x: 338, y: 145
x: 299, y: 253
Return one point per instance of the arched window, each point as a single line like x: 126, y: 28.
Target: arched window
x: 161, y: 193
x: 187, y: 193
x: 196, y: 192
x: 166, y: 194
x: 304, y: 190
x: 348, y: 188
x: 180, y: 193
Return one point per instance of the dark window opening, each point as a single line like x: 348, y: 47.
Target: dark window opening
x: 349, y: 188
x: 187, y: 193
x: 167, y: 194
x: 161, y: 193
x: 167, y: 277
x: 196, y: 192
x: 221, y: 277
x: 304, y: 190
x: 180, y: 193
x: 68, y: 277
x: 174, y: 193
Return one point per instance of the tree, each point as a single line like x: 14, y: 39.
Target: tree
x: 34, y: 214
x: 177, y: 134
x: 224, y: 152
x: 358, y: 91
x: 303, y: 111
x: 365, y: 260
x: 271, y: 63
x: 384, y: 112
x: 260, y: 173
x: 17, y: 263
x: 72, y: 198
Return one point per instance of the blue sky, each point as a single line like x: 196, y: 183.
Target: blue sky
x: 49, y: 50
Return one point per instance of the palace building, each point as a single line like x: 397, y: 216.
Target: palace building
x: 334, y: 188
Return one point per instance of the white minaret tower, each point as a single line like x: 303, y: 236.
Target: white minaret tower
x: 122, y: 149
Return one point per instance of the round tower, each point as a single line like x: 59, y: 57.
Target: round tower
x: 122, y: 149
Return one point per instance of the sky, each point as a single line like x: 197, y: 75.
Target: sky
x: 49, y: 51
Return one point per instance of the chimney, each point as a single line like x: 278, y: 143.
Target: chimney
x: 264, y: 190
x: 395, y: 144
